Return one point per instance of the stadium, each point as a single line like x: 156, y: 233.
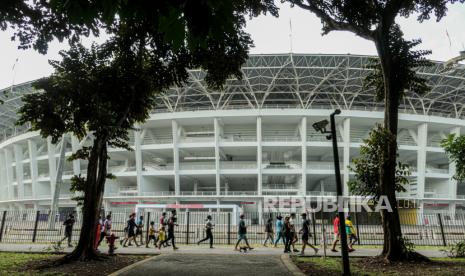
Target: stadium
x: 252, y: 140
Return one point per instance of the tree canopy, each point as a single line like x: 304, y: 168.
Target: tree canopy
x: 454, y: 146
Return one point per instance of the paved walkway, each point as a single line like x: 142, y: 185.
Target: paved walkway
x: 211, y: 264
x: 193, y: 249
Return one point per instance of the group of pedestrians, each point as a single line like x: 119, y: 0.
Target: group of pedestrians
x: 164, y: 234
x: 286, y: 231
x: 350, y: 231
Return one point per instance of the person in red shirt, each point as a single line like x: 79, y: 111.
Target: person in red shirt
x: 337, y: 235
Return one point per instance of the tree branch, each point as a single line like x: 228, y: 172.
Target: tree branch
x: 331, y: 23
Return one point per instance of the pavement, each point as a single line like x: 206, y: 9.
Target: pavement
x: 204, y: 249
x: 210, y: 264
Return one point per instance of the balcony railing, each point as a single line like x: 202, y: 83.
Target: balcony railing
x: 194, y: 166
x: 316, y: 193
x: 158, y: 167
x: 239, y: 138
x: 280, y: 186
x: 238, y: 193
x: 197, y: 139
x: 284, y: 165
x: 280, y: 193
x: 280, y: 139
x: 323, y: 165
x: 238, y: 165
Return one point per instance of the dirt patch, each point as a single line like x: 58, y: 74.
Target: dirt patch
x: 104, y: 266
x: 377, y: 266
x: 433, y: 267
x: 311, y: 269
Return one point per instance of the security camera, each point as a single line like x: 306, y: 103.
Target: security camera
x: 321, y: 126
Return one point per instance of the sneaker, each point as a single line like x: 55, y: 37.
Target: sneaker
x: 301, y: 254
x: 175, y: 248
x: 351, y: 250
x: 334, y: 250
x: 211, y: 247
x: 250, y: 248
x: 316, y: 251
x: 295, y: 250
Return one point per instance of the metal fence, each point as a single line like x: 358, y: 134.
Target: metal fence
x: 442, y: 229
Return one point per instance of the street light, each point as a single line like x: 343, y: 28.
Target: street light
x: 321, y: 127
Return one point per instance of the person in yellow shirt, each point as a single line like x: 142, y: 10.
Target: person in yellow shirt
x: 161, y: 236
x: 351, y: 233
x: 151, y: 235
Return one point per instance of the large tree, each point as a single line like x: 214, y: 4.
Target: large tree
x: 374, y: 20
x: 105, y: 90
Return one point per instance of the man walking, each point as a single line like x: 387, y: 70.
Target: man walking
x: 279, y: 231
x: 242, y: 233
x: 293, y: 232
x: 336, y: 232
x: 208, y: 231
x: 68, y: 223
x: 305, y: 231
x: 131, y: 230
x: 171, y: 224
x: 269, y: 232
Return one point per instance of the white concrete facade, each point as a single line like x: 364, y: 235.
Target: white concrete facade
x: 233, y: 156
x: 251, y: 140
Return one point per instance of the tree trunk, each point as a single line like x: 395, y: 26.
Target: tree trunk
x: 392, y: 247
x: 93, y: 194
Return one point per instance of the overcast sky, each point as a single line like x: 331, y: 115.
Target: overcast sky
x: 271, y: 35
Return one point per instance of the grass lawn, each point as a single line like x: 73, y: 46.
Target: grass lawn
x: 371, y: 267
x: 23, y: 264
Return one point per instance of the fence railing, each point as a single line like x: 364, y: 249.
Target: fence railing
x: 441, y: 229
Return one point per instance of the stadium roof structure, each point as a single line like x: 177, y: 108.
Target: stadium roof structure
x: 303, y: 81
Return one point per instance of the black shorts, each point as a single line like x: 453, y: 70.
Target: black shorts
x: 131, y: 233
x: 305, y: 237
x: 151, y: 237
x: 139, y: 232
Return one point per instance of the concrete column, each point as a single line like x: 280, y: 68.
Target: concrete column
x: 259, y: 155
x: 196, y: 186
x: 76, y: 163
x: 9, y: 172
x: 346, y: 155
x: 218, y: 204
x: 260, y: 211
x: 453, y: 170
x: 303, y: 137
x: 3, y: 178
x: 175, y: 130
x: 19, y: 170
x: 422, y: 139
x: 138, y: 157
x: 217, y: 128
x: 52, y: 163
x: 33, y: 163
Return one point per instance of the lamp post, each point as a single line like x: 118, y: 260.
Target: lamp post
x: 321, y: 127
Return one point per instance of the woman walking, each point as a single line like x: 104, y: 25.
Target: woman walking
x: 269, y: 232
x: 208, y: 231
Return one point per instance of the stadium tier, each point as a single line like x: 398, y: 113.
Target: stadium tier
x: 252, y: 140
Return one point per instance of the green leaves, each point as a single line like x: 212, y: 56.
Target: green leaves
x: 454, y: 146
x: 368, y: 166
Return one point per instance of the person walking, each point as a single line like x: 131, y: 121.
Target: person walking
x: 139, y: 227
x: 163, y: 225
x: 351, y: 234
x: 107, y: 225
x: 151, y: 235
x: 242, y: 233
x: 68, y: 223
x: 160, y: 237
x: 279, y: 231
x: 287, y: 235
x: 336, y: 232
x: 269, y: 231
x: 305, y: 231
x: 102, y: 230
x: 131, y: 230
x: 208, y: 231
x: 171, y: 224
x: 294, y: 238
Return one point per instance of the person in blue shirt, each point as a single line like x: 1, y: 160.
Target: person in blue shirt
x: 279, y: 231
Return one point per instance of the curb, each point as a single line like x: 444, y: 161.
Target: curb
x: 293, y: 269
x: 129, y: 267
